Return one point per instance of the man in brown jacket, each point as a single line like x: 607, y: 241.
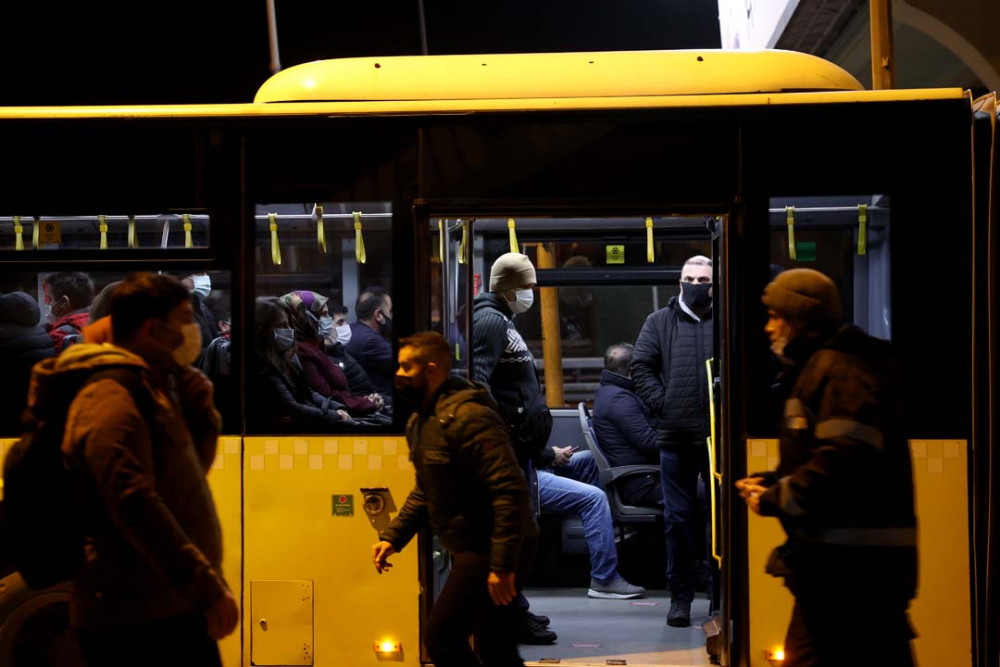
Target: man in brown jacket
x: 151, y: 590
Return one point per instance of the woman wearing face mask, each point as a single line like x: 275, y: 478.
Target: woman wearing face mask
x: 312, y: 323
x: 281, y: 398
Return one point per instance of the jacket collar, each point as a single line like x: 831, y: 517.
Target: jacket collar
x: 614, y: 379
x: 495, y: 301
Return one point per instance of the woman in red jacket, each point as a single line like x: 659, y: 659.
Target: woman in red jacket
x: 312, y: 324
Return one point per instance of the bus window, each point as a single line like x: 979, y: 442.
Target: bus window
x: 322, y: 345
x: 44, y: 314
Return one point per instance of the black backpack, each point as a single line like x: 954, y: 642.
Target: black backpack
x: 42, y: 531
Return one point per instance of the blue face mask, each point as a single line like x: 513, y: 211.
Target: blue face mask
x: 325, y: 326
x: 285, y: 338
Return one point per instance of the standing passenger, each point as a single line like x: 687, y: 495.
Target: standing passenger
x: 371, y: 338
x: 668, y: 368
x: 151, y: 588
x: 472, y: 494
x: 843, y: 490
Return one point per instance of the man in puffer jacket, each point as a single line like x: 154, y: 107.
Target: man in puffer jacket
x: 23, y: 343
x: 151, y: 584
x: 668, y: 369
x: 471, y: 493
x: 71, y: 294
x: 843, y: 490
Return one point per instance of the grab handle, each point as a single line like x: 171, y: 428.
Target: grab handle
x: 716, y: 476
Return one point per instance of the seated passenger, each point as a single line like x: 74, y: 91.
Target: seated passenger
x: 71, y: 295
x: 215, y: 362
x: 23, y: 343
x: 312, y: 324
x: 621, y: 424
x: 200, y: 286
x: 336, y: 347
x: 371, y: 338
x: 280, y: 398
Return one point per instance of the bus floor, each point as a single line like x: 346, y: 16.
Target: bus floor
x: 591, y: 632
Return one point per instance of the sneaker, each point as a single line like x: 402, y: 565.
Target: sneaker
x: 538, y: 618
x: 532, y: 632
x: 679, y: 615
x: 616, y: 589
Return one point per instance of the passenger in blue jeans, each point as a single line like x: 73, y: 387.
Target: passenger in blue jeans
x: 571, y: 486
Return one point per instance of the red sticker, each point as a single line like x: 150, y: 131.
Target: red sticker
x: 343, y: 499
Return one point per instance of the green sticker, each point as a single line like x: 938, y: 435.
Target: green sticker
x: 616, y: 254
x: 343, y: 505
x: 805, y: 251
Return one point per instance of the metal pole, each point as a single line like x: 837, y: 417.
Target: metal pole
x: 272, y: 37
x: 883, y: 57
x: 422, y: 21
x: 551, y: 336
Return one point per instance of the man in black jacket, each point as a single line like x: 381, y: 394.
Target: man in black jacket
x: 472, y: 494
x: 668, y: 369
x: 621, y: 424
x: 843, y: 490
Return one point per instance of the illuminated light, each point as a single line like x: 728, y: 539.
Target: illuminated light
x: 779, y: 655
x: 775, y: 656
x: 387, y: 646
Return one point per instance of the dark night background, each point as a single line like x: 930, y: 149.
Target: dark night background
x: 217, y: 50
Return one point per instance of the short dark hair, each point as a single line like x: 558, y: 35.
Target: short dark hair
x: 430, y: 346
x: 333, y: 307
x: 76, y: 286
x: 370, y: 300
x: 141, y: 297
x: 218, y: 304
x: 618, y: 358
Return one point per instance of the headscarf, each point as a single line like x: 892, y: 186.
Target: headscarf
x: 305, y: 307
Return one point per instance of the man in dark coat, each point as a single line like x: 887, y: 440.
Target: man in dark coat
x: 668, y: 369
x: 621, y: 424
x: 843, y: 490
x: 371, y: 338
x: 471, y: 493
x: 23, y: 343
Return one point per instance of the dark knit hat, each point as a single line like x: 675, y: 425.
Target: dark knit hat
x: 804, y: 295
x: 511, y: 270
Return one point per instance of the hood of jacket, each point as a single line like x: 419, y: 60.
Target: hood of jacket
x: 55, y: 382
x: 20, y: 309
x: 455, y: 391
x: 490, y: 300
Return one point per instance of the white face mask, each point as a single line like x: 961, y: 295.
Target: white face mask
x: 190, y: 347
x: 202, y: 285
x: 285, y: 338
x: 344, y: 334
x: 523, y: 300
x: 325, y: 325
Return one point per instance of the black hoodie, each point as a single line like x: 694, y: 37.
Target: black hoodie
x: 23, y: 343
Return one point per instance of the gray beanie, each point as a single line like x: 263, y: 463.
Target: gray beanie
x: 511, y: 270
x: 804, y: 295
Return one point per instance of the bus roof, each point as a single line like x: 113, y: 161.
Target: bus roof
x: 417, y: 85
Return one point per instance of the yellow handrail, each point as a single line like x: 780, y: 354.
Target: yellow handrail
x: 716, y: 476
x: 512, y: 233
x: 320, y: 229
x: 862, y: 229
x: 650, y: 248
x: 790, y: 220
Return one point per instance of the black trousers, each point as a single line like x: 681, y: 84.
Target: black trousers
x: 845, y: 629
x: 464, y: 609
x: 684, y: 514
x: 182, y: 640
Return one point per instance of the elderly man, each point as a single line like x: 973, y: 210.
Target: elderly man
x: 843, y: 490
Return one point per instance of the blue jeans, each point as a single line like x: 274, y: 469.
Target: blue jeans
x: 560, y: 491
x: 682, y: 516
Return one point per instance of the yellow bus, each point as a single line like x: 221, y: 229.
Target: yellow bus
x: 608, y: 170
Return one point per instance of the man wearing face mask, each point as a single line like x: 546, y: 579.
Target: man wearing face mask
x: 336, y: 347
x: 70, y: 295
x: 843, y: 489
x: 200, y: 286
x: 668, y: 370
x: 370, y: 342
x: 151, y: 584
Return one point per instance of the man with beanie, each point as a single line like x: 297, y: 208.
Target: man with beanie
x: 668, y: 370
x: 502, y: 361
x: 843, y: 490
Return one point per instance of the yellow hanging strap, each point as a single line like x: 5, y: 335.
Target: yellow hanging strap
x: 716, y: 476
x: 463, y: 247
x: 513, y: 235
x: 18, y: 231
x: 862, y: 229
x: 188, y: 241
x: 650, y: 248
x: 790, y: 218
x: 272, y: 220
x: 36, y: 232
x: 102, y: 225
x: 359, y: 241
x: 320, y: 229
x: 133, y: 239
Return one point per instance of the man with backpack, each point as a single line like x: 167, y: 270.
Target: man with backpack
x: 139, y: 438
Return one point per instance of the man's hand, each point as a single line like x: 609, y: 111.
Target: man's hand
x: 196, y: 390
x: 563, y: 455
x: 380, y: 556
x: 750, y: 489
x: 222, y: 616
x: 377, y: 400
x: 501, y: 585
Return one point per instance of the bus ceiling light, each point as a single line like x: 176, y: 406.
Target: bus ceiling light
x: 387, y: 646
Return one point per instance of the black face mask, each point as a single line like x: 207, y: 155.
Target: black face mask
x: 696, y: 294
x: 408, y: 392
x: 386, y: 326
